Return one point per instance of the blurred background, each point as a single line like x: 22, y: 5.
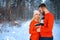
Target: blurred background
x: 15, y: 16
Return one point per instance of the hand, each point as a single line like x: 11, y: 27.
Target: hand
x: 38, y: 29
x: 37, y: 26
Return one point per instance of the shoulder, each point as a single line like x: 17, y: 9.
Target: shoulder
x: 50, y: 14
x: 32, y: 22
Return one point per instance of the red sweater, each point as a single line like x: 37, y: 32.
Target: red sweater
x: 46, y: 30
x: 32, y: 31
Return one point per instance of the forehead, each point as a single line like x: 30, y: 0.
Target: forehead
x: 40, y: 8
x: 37, y: 14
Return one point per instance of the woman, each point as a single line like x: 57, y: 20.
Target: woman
x: 33, y: 29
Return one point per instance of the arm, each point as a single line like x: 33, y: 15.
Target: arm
x: 31, y: 28
x: 49, y: 26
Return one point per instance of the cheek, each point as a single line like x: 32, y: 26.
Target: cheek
x: 38, y: 16
x: 41, y: 10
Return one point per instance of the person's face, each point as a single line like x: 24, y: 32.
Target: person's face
x: 41, y: 10
x: 37, y: 16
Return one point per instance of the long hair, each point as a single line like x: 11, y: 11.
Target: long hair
x: 36, y: 12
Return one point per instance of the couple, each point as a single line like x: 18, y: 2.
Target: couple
x: 41, y: 32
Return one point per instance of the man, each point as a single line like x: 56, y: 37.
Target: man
x: 46, y: 29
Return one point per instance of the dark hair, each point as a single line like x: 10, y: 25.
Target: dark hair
x: 42, y: 5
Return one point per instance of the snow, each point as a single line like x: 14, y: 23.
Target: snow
x: 11, y: 32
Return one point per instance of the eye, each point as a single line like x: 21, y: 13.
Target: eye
x: 36, y: 14
x: 39, y: 14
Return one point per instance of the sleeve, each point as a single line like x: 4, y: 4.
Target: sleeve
x: 48, y: 27
x: 31, y: 28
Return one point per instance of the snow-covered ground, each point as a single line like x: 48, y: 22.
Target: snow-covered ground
x: 20, y: 32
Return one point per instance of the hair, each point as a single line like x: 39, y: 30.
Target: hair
x: 35, y: 11
x: 42, y: 5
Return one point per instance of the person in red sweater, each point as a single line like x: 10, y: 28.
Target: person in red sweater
x: 46, y: 29
x: 34, y: 34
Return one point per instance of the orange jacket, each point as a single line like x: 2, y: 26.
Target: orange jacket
x: 46, y: 30
x: 33, y: 32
